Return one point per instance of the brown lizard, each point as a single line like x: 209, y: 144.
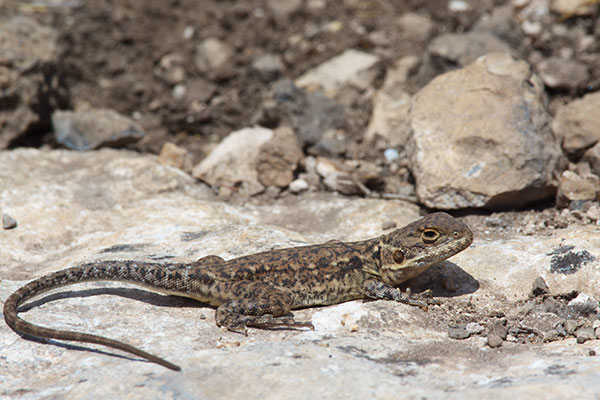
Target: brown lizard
x: 260, y: 290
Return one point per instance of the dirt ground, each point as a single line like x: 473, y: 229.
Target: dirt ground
x: 111, y: 53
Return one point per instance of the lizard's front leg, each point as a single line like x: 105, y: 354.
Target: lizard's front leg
x: 378, y: 290
x: 262, y: 307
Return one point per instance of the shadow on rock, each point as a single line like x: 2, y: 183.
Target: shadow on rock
x: 445, y: 279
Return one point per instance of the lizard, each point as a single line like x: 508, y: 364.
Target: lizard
x: 260, y: 290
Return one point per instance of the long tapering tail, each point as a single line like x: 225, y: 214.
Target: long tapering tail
x: 127, y: 271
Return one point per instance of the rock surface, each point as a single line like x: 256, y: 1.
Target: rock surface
x: 492, y: 147
x: 110, y: 204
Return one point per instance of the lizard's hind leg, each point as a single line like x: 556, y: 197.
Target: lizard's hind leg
x: 264, y: 308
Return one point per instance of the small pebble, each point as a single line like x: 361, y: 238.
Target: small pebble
x: 585, y: 334
x: 298, y: 185
x: 8, y: 222
x: 458, y: 332
x: 570, y: 326
x: 494, y: 340
x: 592, y: 352
x: 391, y: 154
x: 583, y: 304
x: 498, y: 328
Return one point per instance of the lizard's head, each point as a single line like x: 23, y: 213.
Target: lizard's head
x: 407, y: 252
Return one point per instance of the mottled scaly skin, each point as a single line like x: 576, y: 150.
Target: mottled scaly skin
x: 260, y: 290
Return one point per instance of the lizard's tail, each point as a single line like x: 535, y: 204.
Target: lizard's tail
x: 61, y: 278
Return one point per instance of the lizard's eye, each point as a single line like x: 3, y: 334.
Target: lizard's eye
x: 398, y: 256
x: 429, y: 235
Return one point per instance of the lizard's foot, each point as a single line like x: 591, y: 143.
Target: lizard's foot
x: 239, y: 323
x: 268, y: 321
x: 423, y: 300
x: 379, y: 290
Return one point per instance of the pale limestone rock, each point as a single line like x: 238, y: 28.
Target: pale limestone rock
x: 94, y: 128
x: 480, y: 138
x: 109, y: 204
x: 233, y: 162
x: 391, y: 106
x: 576, y: 124
x: 352, y: 68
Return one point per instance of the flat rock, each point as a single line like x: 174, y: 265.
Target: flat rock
x: 114, y: 204
x: 492, y: 148
x: 576, y: 124
x: 94, y: 128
